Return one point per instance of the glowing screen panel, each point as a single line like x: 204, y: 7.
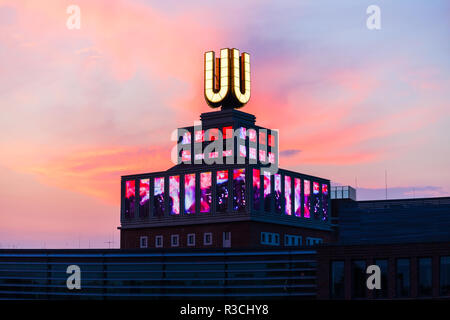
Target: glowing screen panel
x: 256, y: 188
x: 174, y: 194
x: 277, y: 190
x: 242, y: 132
x: 271, y: 140
x: 316, y: 200
x: 159, y: 197
x: 205, y: 192
x: 185, y: 156
x: 222, y: 191
x: 144, y: 197
x: 239, y: 190
x: 262, y: 155
x: 130, y: 192
x: 199, y: 135
x: 307, y: 196
x: 227, y: 132
x: 266, y: 191
x: 227, y: 153
x: 252, y: 135
x: 287, y: 195
x: 271, y: 157
x: 186, y: 138
x: 262, y: 138
x: 324, y: 202
x: 242, y: 151
x: 297, y: 197
x: 189, y: 193
x: 252, y: 153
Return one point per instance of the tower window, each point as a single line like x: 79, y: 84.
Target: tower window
x: 143, y: 242
x: 191, y: 239
x: 174, y: 240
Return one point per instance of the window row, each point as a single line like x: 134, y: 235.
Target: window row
x: 402, y: 281
x: 301, y: 198
x: 228, y: 133
x: 190, y: 240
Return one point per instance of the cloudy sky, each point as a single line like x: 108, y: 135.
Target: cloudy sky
x: 80, y: 108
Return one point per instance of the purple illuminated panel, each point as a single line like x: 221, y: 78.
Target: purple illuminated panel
x: 316, y: 200
x: 144, y: 197
x: 130, y: 192
x: 186, y: 138
x: 307, y: 200
x: 325, y: 202
x: 189, y: 193
x: 287, y: 195
x: 277, y: 190
x: 222, y: 191
x: 256, y: 188
x: 205, y: 192
x: 159, y: 197
x: 297, y: 197
x: 239, y: 190
x: 174, y: 195
x: 266, y: 191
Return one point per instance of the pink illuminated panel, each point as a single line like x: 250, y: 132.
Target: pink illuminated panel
x: 213, y: 134
x: 271, y: 140
x: 277, y: 191
x: 267, y: 186
x: 199, y: 135
x: 159, y: 196
x: 227, y: 153
x: 186, y: 138
x: 287, y: 195
x: 174, y: 194
x: 242, y: 132
x: 185, y: 156
x: 252, y: 135
x: 297, y: 197
x: 239, y: 200
x: 307, y: 196
x: 262, y: 138
x: 316, y: 200
x: 130, y: 201
x: 144, y: 197
x: 271, y: 157
x: 189, y: 193
x: 222, y: 191
x: 242, y: 151
x: 252, y: 153
x: 256, y: 188
x: 262, y: 155
x: 324, y: 202
x: 227, y: 132
x: 205, y: 192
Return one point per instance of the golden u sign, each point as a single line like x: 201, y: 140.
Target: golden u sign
x: 227, y: 79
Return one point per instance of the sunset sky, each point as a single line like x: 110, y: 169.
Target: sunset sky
x: 80, y: 108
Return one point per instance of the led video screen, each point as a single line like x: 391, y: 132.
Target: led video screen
x: 205, y: 192
x: 185, y: 156
x: 262, y: 155
x: 252, y: 153
x: 267, y: 187
x: 144, y: 197
x: 189, y: 193
x: 252, y: 135
x: 242, y: 132
x: 239, y: 200
x: 186, y: 138
x: 199, y: 136
x: 256, y: 188
x: 242, y: 151
x: 297, y: 197
x: 130, y: 192
x: 159, y: 197
x: 287, y: 195
x: 277, y: 192
x: 316, y: 200
x: 307, y: 198
x: 222, y: 191
x: 325, y: 202
x: 174, y: 194
x: 227, y: 132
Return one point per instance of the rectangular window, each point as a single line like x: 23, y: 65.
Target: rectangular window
x: 222, y: 191
x: 297, y: 197
x: 191, y: 239
x: 307, y: 196
x: 444, y: 276
x: 262, y: 138
x: 271, y: 157
x: 252, y: 135
x: 262, y: 155
x: 239, y: 201
x: 174, y: 240
x: 425, y: 277
x: 227, y: 239
x: 277, y: 190
x: 207, y: 239
x: 403, y: 278
x: 159, y: 197
x: 383, y: 292
x: 186, y: 156
x: 337, y: 286
x: 316, y: 200
x: 325, y: 199
x: 267, y: 187
x: 242, y: 151
x: 271, y: 140
x: 263, y: 238
x: 205, y: 192
x: 252, y: 153
x: 159, y: 241
x: 189, y: 193
x: 174, y: 194
x: 130, y: 191
x: 287, y: 195
x: 199, y: 135
x: 242, y: 133
x: 144, y: 197
x: 359, y: 279
x: 256, y: 188
x: 144, y: 242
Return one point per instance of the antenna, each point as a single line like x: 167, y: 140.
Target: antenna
x: 385, y: 181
